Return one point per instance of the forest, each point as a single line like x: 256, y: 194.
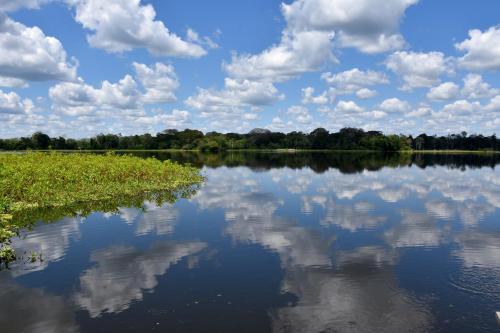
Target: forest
x: 319, y: 139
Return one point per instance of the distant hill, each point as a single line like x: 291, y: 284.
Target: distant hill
x: 259, y: 131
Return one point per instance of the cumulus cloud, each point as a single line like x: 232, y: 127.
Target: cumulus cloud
x: 78, y: 98
x: 461, y: 107
x: 368, y: 25
x: 194, y: 37
x: 494, y: 104
x: 444, y: 92
x: 175, y: 119
x: 420, y: 112
x: 27, y: 54
x: 12, y: 5
x: 348, y: 107
x: 307, y: 42
x: 122, y: 25
x: 236, y: 94
x: 418, y: 70
x: 354, y: 80
x: 394, y: 105
x: 325, y: 97
x: 11, y: 103
x: 476, y: 88
x: 159, y: 82
x: 238, y: 100
x: 297, y: 53
x: 300, y: 114
x: 365, y: 93
x: 482, y: 50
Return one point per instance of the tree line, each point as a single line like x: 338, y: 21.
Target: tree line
x: 320, y: 139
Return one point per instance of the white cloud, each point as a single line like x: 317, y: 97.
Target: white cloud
x: 365, y: 93
x: 27, y: 54
x: 482, y: 50
x: 159, y: 82
x: 494, y: 104
x: 394, y: 105
x: 462, y: 106
x: 309, y: 98
x: 368, y: 25
x: 79, y: 98
x: 304, y: 119
x: 122, y: 25
x: 11, y: 103
x: 250, y: 116
x: 12, y: 5
x: 418, y: 70
x: 353, y: 80
x: 476, y: 88
x: 297, y: 53
x: 236, y: 94
x: 101, y: 292
x: 175, y: 119
x: 194, y: 37
x: 12, y: 82
x: 348, y: 107
x: 277, y: 124
x: 377, y: 114
x: 444, y: 92
x: 300, y: 114
x: 420, y: 112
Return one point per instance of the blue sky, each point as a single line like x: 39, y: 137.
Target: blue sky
x: 82, y: 67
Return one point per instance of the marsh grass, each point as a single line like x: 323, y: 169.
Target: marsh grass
x: 49, y: 186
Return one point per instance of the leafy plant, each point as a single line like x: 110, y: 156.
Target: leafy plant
x: 48, y: 186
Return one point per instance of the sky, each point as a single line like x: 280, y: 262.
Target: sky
x: 77, y: 68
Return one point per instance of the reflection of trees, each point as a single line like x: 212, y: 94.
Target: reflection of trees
x: 346, y: 162
x: 317, y: 161
x: 456, y: 161
x: 27, y: 217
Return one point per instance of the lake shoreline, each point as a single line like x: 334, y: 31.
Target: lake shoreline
x: 281, y: 150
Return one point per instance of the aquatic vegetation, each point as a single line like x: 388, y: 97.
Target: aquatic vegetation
x: 49, y: 186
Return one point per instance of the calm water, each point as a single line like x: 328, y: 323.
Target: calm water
x: 276, y: 243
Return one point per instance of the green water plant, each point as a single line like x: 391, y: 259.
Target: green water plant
x: 49, y: 186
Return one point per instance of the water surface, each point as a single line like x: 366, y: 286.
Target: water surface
x: 276, y: 243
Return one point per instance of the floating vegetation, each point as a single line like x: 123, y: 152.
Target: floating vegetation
x: 48, y: 186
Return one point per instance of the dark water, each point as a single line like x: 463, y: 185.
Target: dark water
x: 277, y: 243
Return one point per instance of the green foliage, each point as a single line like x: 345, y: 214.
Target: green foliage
x: 48, y: 186
x: 7, y: 254
x: 319, y: 139
x: 55, y: 179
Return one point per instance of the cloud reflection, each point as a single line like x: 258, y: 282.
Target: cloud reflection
x: 122, y: 274
x: 33, y: 310
x: 336, y: 290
